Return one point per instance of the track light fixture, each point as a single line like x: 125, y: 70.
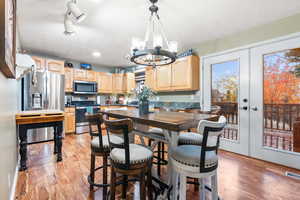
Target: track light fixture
x: 69, y: 26
x: 72, y: 15
x: 76, y: 12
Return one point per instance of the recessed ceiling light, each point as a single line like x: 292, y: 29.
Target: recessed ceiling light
x: 96, y: 54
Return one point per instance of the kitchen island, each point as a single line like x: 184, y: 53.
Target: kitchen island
x: 26, y: 120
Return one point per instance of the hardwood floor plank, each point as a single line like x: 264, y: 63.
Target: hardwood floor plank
x: 240, y: 177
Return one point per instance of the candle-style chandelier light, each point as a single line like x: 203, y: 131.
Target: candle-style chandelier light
x: 155, y: 49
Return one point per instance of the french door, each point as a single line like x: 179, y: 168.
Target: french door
x: 226, y: 88
x: 275, y: 102
x: 258, y: 90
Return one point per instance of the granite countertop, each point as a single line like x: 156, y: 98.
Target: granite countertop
x: 158, y: 104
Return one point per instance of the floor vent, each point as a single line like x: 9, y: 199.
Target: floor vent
x: 293, y: 175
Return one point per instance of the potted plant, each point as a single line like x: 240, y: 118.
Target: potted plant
x: 143, y: 94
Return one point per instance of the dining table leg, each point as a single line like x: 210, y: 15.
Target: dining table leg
x: 172, y: 137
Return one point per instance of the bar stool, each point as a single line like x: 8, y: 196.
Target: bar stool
x: 128, y: 159
x: 199, y: 161
x: 99, y: 148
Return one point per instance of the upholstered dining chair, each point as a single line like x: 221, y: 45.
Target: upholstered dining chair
x: 99, y: 148
x: 128, y: 159
x: 199, y: 161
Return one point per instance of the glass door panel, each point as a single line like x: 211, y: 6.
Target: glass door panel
x: 224, y: 95
x: 281, y: 98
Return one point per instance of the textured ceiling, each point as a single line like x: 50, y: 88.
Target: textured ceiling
x: 110, y: 24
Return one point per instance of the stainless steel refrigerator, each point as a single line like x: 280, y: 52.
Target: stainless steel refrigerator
x: 42, y: 90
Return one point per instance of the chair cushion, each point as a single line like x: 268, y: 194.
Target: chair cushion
x: 137, y: 154
x: 96, y: 146
x: 190, y: 155
x: 190, y: 138
x: 156, y: 133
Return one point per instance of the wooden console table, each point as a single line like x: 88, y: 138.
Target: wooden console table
x: 39, y: 119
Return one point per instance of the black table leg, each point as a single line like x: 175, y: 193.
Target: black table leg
x: 23, y: 147
x: 55, y: 139
x: 59, y: 140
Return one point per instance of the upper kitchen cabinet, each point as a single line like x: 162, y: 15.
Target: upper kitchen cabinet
x: 129, y: 80
x: 80, y: 75
x: 182, y: 75
x: 118, y: 83
x: 150, y: 78
x: 105, y: 82
x: 185, y: 74
x: 163, y: 78
x: 68, y: 79
x: 56, y: 66
x: 91, y: 76
x: 40, y: 63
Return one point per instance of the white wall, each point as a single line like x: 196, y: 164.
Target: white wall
x: 8, y: 142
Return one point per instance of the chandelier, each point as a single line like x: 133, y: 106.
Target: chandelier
x: 151, y: 51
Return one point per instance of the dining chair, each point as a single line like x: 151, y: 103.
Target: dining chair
x: 194, y: 138
x: 99, y: 148
x: 199, y: 161
x: 128, y: 159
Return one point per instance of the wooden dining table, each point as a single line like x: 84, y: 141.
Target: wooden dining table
x: 172, y: 123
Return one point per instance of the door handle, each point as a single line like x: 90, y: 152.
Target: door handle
x: 254, y: 108
x: 244, y: 108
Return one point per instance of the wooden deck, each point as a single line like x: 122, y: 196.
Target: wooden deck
x: 239, y: 177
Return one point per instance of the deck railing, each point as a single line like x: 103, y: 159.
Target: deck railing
x: 278, y: 123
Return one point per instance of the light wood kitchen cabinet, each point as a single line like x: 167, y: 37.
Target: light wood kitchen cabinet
x: 105, y: 83
x: 150, y: 78
x: 69, y: 120
x: 80, y: 75
x: 185, y: 74
x: 68, y: 79
x: 182, y: 75
x: 56, y: 66
x: 118, y: 83
x: 91, y: 76
x: 129, y: 80
x: 164, y: 78
x: 40, y: 63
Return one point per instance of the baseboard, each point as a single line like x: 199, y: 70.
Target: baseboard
x: 14, y: 185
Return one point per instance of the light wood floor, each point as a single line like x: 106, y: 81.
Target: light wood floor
x: 240, y: 178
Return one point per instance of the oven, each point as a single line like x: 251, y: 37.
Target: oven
x: 84, y: 87
x: 82, y: 125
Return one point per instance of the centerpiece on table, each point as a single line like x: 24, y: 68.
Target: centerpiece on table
x: 143, y: 94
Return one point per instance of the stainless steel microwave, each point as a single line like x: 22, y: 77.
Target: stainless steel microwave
x: 84, y: 87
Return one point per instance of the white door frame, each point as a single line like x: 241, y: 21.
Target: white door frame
x: 241, y: 145
x: 257, y: 149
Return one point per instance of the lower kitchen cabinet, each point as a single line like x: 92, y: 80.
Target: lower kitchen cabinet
x: 69, y: 123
